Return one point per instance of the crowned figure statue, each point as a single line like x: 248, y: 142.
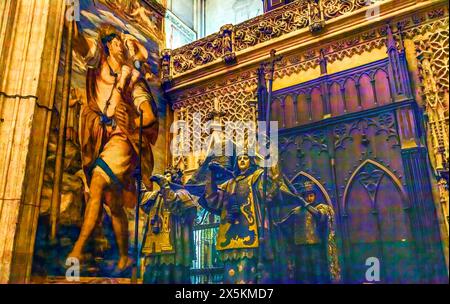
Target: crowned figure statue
x: 247, y: 244
x: 168, y: 246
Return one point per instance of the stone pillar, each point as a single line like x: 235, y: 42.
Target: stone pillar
x: 30, y: 41
x: 425, y: 222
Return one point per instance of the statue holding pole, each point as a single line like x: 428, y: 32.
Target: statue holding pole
x: 168, y: 245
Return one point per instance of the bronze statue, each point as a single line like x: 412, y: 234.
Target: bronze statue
x: 314, y: 251
x: 168, y: 245
x: 247, y: 244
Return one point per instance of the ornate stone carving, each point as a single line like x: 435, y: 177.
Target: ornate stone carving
x: 348, y: 46
x: 433, y: 56
x: 384, y: 123
x: 370, y: 179
x: 335, y: 8
x: 227, y: 35
x: 166, y: 66
x: 316, y: 20
x: 231, y: 102
x: 318, y: 140
x: 286, y: 19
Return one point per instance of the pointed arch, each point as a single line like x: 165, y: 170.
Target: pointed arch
x: 365, y: 74
x: 386, y: 171
x: 316, y: 182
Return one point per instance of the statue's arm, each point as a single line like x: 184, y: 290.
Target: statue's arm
x: 213, y: 199
x: 277, y: 190
x: 148, y: 200
x: 179, y: 202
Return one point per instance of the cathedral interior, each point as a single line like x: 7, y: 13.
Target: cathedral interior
x: 358, y: 91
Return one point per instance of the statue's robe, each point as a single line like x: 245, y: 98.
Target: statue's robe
x: 169, y: 253
x: 251, y: 247
x: 314, y: 251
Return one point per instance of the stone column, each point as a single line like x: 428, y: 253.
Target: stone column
x: 30, y: 42
x: 425, y: 221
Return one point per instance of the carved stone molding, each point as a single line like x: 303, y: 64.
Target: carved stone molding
x: 383, y: 124
x: 333, y: 8
x: 273, y: 24
x: 432, y: 47
x: 433, y: 55
x: 346, y: 47
x: 234, y: 83
x: 196, y: 54
x: 316, y: 19
x: 292, y: 17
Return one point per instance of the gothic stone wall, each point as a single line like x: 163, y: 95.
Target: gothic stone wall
x: 350, y: 94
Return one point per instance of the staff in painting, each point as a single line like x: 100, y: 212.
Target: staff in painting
x: 138, y: 176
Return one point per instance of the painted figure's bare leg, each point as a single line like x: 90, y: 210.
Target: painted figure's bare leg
x: 120, y: 227
x: 93, y: 208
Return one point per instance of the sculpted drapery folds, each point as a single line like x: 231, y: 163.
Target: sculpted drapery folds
x: 109, y: 131
x: 168, y: 245
x: 251, y: 248
x: 314, y: 249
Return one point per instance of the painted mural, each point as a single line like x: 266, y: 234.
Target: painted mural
x: 100, y: 184
x: 114, y: 73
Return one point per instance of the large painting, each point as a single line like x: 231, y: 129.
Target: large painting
x: 114, y: 79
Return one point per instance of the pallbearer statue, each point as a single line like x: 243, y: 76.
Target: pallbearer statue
x: 314, y: 250
x: 246, y: 242
x: 168, y: 246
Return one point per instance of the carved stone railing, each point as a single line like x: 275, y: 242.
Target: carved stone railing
x: 222, y: 46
